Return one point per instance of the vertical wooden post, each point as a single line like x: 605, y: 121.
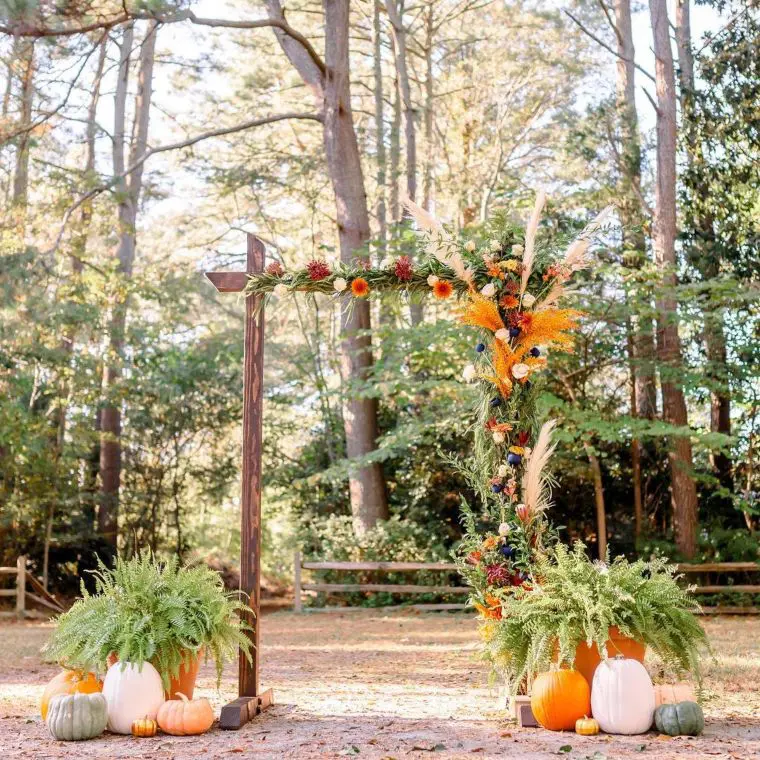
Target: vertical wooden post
x: 298, y: 605
x: 250, y: 521
x: 21, y: 586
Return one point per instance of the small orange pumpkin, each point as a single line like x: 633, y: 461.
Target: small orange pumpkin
x: 559, y: 698
x: 672, y: 693
x: 144, y: 727
x: 185, y: 717
x: 69, y: 682
x: 586, y: 726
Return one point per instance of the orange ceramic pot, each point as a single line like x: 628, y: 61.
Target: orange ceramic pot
x: 188, y: 673
x: 587, y: 657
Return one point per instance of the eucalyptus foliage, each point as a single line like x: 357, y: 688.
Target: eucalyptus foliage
x: 147, y: 610
x: 577, y: 601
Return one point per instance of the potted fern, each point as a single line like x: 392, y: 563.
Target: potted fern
x: 148, y: 610
x: 575, y: 606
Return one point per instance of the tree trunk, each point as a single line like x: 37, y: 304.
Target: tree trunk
x: 601, y: 515
x: 683, y: 489
x: 21, y: 171
x: 630, y: 205
x: 714, y: 328
x: 395, y: 157
x: 427, y: 176
x: 377, y: 68
x: 128, y: 190
x: 332, y: 89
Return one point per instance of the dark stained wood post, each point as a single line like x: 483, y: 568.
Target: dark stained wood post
x: 249, y: 702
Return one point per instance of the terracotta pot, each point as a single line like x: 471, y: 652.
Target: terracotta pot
x: 587, y: 658
x: 188, y: 672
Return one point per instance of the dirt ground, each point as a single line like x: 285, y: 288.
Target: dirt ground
x: 374, y: 685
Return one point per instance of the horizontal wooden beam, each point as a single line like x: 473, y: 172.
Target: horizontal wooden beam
x: 228, y: 282
x: 388, y: 608
x: 8, y: 592
x: 8, y: 570
x: 719, y: 567
x: 730, y: 610
x: 727, y: 589
x: 389, y: 587
x: 390, y: 566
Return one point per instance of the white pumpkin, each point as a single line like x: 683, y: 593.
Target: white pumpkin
x: 132, y: 692
x: 622, y: 697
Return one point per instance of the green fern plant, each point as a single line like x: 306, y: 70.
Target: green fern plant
x: 147, y: 610
x: 575, y: 600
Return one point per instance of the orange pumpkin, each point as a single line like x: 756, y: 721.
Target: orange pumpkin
x: 185, y: 717
x: 144, y: 727
x: 559, y: 698
x: 672, y: 693
x: 69, y: 682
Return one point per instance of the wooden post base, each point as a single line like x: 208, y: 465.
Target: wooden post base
x: 238, y: 712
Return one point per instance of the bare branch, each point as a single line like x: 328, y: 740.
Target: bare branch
x: 24, y: 29
x: 603, y: 44
x: 173, y: 146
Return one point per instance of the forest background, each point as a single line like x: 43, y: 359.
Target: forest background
x: 140, y: 141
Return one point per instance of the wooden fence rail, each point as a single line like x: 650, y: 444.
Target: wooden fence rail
x: 300, y: 586
x: 40, y: 595
x: 393, y: 588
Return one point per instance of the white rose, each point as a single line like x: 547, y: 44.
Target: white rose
x: 504, y: 529
x: 498, y: 436
x: 281, y: 289
x: 386, y: 263
x: 340, y: 284
x: 432, y: 279
x: 503, y: 471
x: 502, y: 334
x: 528, y: 300
x: 519, y: 371
x: 469, y: 373
x: 470, y: 246
x: 517, y: 250
x: 495, y: 245
x: 488, y: 290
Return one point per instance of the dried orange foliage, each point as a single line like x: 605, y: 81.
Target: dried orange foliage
x: 481, y: 312
x: 545, y: 328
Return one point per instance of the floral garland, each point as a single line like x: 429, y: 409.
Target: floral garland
x: 508, y: 289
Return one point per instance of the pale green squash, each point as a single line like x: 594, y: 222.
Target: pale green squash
x: 74, y: 717
x: 680, y: 719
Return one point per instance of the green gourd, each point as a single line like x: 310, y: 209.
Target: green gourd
x: 680, y: 719
x: 74, y: 717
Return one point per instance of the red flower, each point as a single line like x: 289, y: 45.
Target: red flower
x: 442, y: 289
x: 403, y: 268
x: 498, y: 575
x: 474, y: 557
x: 523, y: 437
x: 317, y: 270
x: 512, y: 286
x: 275, y: 269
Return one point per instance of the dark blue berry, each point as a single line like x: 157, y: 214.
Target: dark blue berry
x: 508, y: 551
x: 514, y: 332
x: 480, y: 348
x: 514, y: 459
x: 495, y: 402
x: 497, y: 488
x: 527, y: 385
x: 535, y: 352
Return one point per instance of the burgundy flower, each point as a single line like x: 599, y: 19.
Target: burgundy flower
x: 317, y: 270
x: 275, y: 269
x: 403, y: 268
x: 498, y: 575
x: 523, y: 437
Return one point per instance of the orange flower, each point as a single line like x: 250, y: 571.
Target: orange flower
x: 490, y: 543
x: 492, y: 611
x: 509, y: 302
x: 442, y: 289
x: 360, y: 287
x: 549, y: 328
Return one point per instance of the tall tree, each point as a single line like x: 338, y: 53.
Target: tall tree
x: 331, y: 87
x: 128, y: 187
x: 683, y: 488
